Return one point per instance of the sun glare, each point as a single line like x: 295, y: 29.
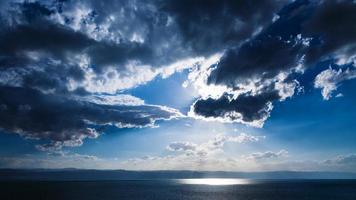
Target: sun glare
x: 214, y: 181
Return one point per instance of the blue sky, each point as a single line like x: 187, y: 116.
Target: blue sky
x: 186, y: 86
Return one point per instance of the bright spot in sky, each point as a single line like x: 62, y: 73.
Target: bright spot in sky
x: 214, y: 181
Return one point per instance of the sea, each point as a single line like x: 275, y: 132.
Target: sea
x: 176, y: 189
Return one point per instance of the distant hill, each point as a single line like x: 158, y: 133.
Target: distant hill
x: 86, y: 175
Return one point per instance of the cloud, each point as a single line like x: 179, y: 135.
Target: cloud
x: 208, y: 155
x: 66, y: 121
x: 178, y: 162
x: 268, y: 155
x: 51, y: 161
x: 63, y: 63
x: 260, y: 161
x: 91, y: 51
x: 265, y: 69
x: 247, y: 109
x: 118, y: 99
x: 155, y: 33
x: 348, y: 160
x: 342, y: 162
x: 181, y: 146
x: 79, y: 57
x: 215, y: 25
x: 250, y: 105
x: 338, y: 41
x: 260, y: 58
x: 210, y: 147
x: 329, y: 80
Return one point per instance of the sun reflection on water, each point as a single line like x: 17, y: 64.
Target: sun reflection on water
x: 214, y: 181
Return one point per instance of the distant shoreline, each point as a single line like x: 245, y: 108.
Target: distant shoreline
x: 98, y: 175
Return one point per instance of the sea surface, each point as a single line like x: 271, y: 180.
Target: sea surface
x: 204, y: 189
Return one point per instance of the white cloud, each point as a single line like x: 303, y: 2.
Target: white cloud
x: 339, y: 95
x: 181, y: 146
x: 268, y: 155
x: 199, y: 74
x: 181, y: 161
x: 115, y: 79
x: 118, y: 99
x: 208, y: 155
x: 179, y: 66
x: 329, y: 80
x: 213, y: 146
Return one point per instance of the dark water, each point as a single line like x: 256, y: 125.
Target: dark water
x: 173, y: 189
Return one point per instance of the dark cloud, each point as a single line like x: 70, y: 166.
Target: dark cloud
x: 34, y: 11
x: 50, y: 60
x: 144, y: 33
x: 308, y: 29
x: 47, y: 54
x: 210, y: 26
x: 61, y: 42
x: 334, y: 25
x: 60, y: 119
x: 50, y: 39
x: 156, y: 33
x: 53, y: 51
x: 306, y: 33
x: 277, y: 48
x: 115, y: 37
x: 246, y: 108
x: 261, y: 58
x: 104, y: 54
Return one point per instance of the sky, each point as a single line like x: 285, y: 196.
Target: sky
x: 228, y: 85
